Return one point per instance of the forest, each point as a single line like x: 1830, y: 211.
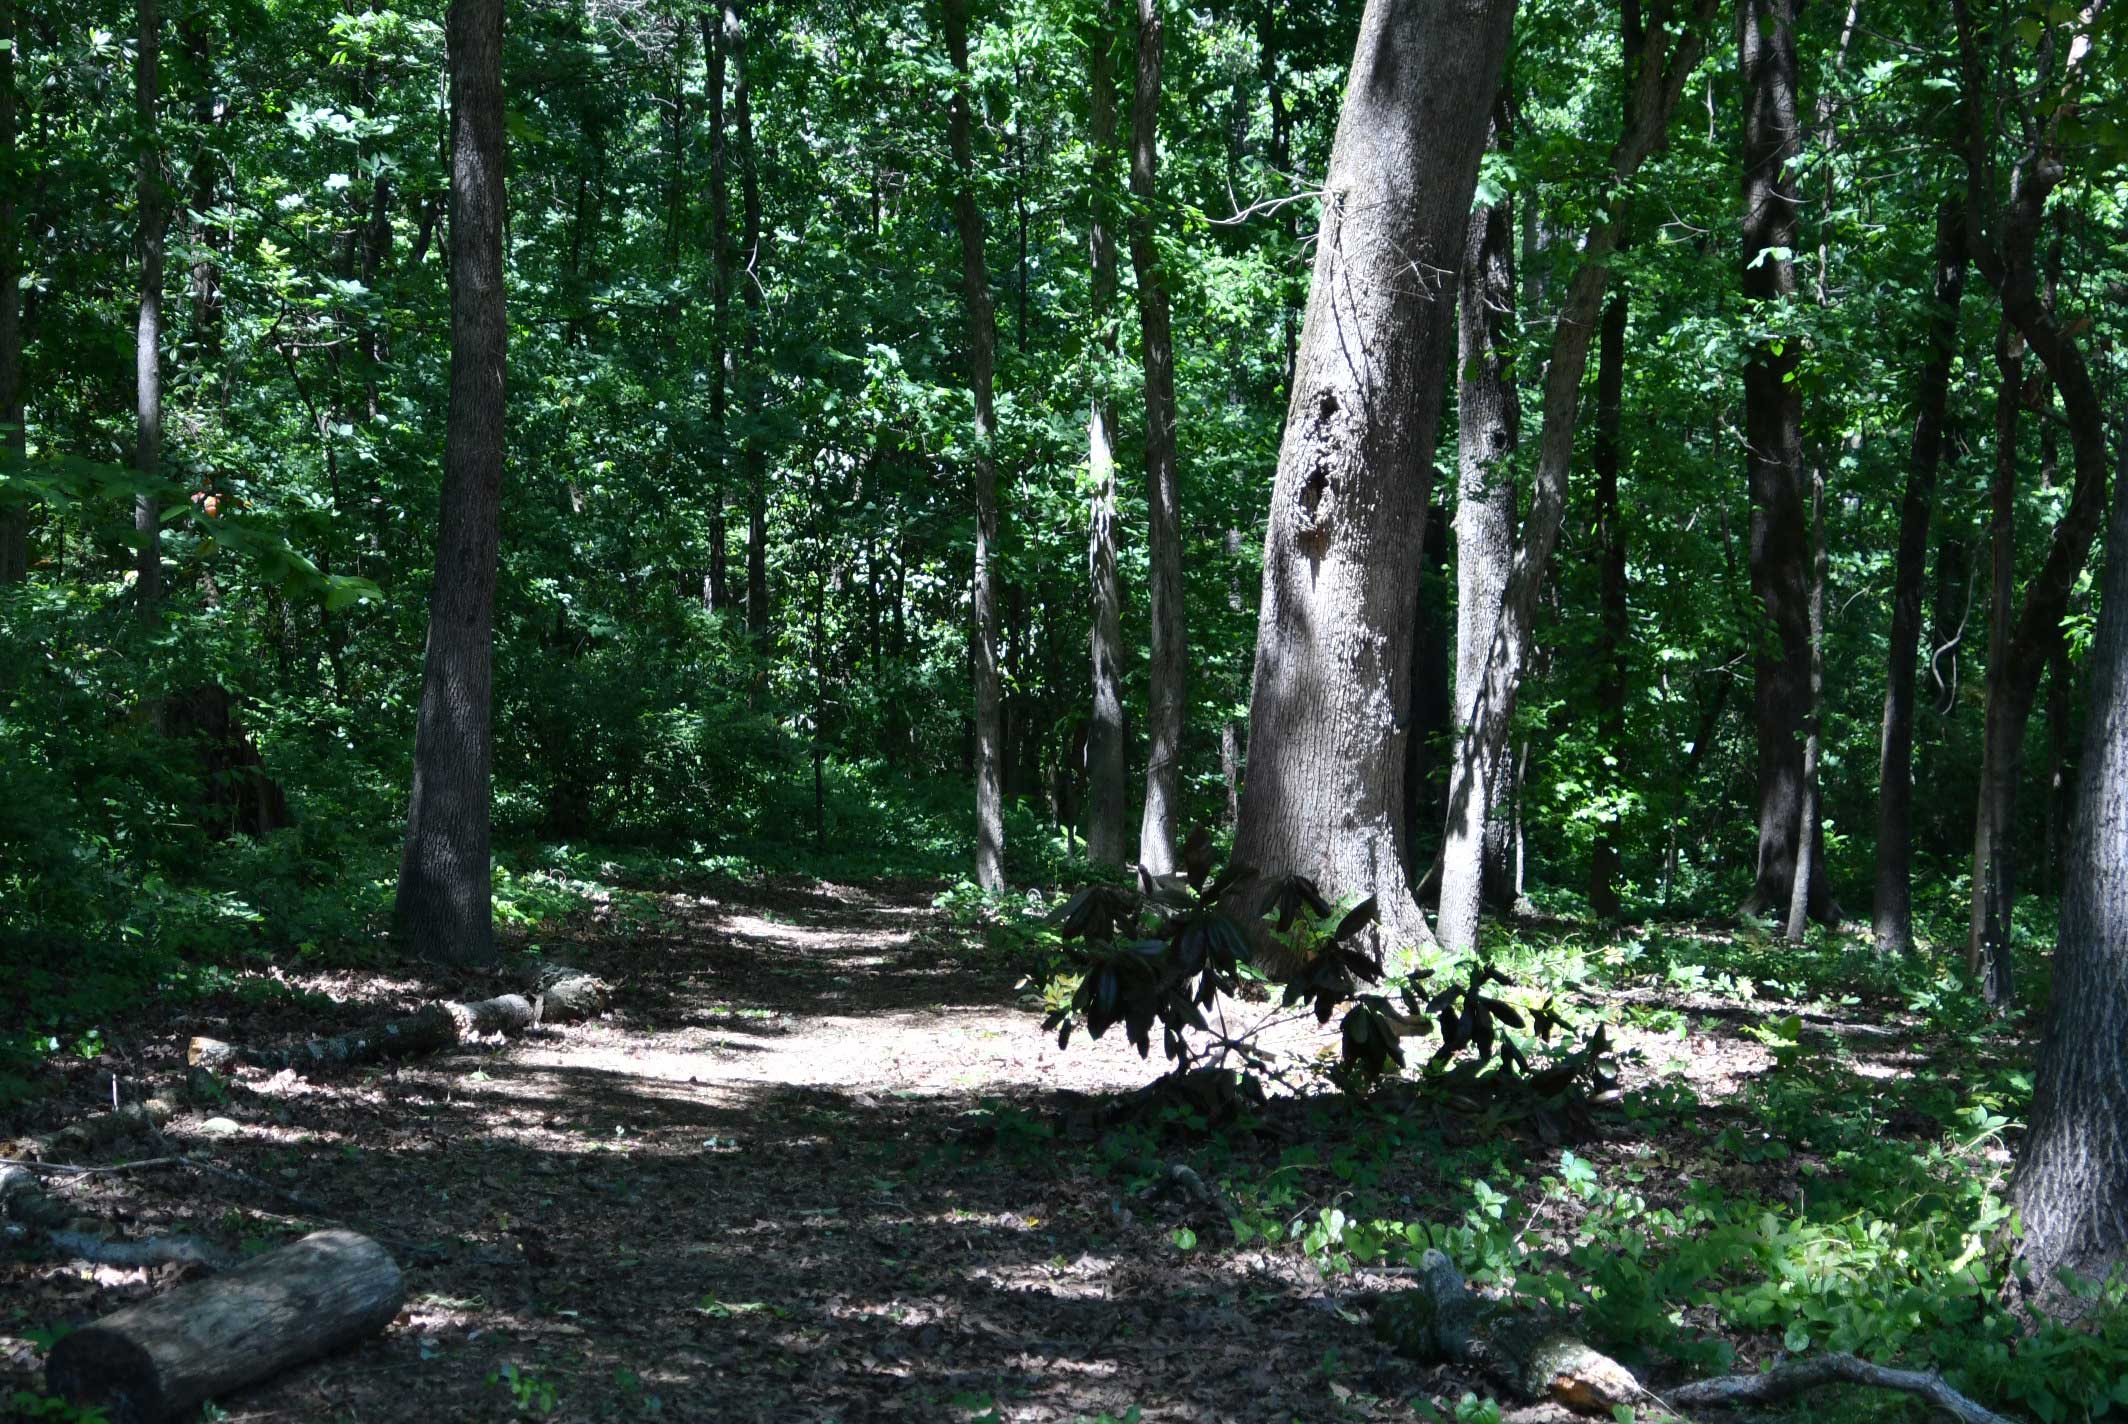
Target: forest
x: 1064, y: 710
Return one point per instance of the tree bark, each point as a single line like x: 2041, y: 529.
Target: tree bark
x: 154, y: 221
x: 753, y: 387
x: 982, y: 364
x: 717, y: 588
x: 1433, y: 705
x: 444, y: 910
x: 1810, y: 868
x: 1893, y: 909
x: 165, y: 1356
x: 14, y: 440
x: 2003, y: 244
x: 1481, y: 751
x: 1489, y: 427
x: 1107, y: 789
x: 2002, y: 737
x: 1605, y: 862
x: 1168, y: 667
x: 1773, y: 455
x: 2071, y: 1183
x: 1332, y: 687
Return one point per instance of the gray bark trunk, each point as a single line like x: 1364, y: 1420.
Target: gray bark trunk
x: 982, y: 363
x: 1893, y: 907
x: 1330, y: 710
x: 717, y: 587
x: 1489, y: 426
x: 1107, y: 788
x: 148, y: 326
x: 444, y: 910
x: 1482, y: 746
x: 14, y: 442
x: 753, y: 387
x: 1810, y: 869
x: 1168, y: 668
x: 2002, y: 736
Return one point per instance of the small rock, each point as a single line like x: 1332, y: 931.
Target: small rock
x: 220, y: 1127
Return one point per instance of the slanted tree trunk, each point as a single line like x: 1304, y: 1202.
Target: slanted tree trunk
x: 2071, y: 1183
x: 1332, y: 687
x: 154, y: 219
x: 1489, y: 426
x: 1809, y: 865
x: 749, y: 277
x: 1107, y: 788
x: 1773, y: 454
x: 1168, y: 668
x: 444, y: 910
x: 1482, y: 748
x: 982, y: 364
x: 1893, y: 908
x: 14, y: 441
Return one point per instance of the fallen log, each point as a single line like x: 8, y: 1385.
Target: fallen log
x: 435, y: 1027
x: 28, y: 1211
x: 1533, y: 1353
x: 97, y: 1130
x: 1794, y: 1377
x: 156, y: 1360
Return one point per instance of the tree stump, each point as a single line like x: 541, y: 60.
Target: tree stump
x: 156, y: 1360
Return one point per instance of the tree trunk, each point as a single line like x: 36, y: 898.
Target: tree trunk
x: 1168, y: 669
x: 717, y: 589
x: 1482, y: 748
x: 982, y: 363
x: 2071, y: 1182
x: 162, y: 1358
x: 1107, y: 788
x: 2003, y: 244
x: 1489, y: 426
x: 1332, y: 686
x: 148, y: 328
x: 14, y: 441
x: 444, y: 910
x: 750, y: 289
x: 1810, y: 869
x: 2002, y: 739
x: 1773, y: 455
x: 1604, y: 859
x: 1893, y: 909
x: 1433, y: 705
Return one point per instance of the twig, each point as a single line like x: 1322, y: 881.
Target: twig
x: 64, y: 1169
x: 1796, y: 1376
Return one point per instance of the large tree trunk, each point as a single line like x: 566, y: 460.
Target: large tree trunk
x: 1332, y: 688
x: 14, y: 442
x: 1107, y: 788
x: 2072, y: 1170
x: 982, y: 364
x: 1489, y: 426
x: 444, y: 910
x: 1481, y: 752
x: 717, y: 588
x: 1773, y: 455
x: 154, y: 219
x: 1168, y: 668
x: 754, y: 386
x: 1893, y: 908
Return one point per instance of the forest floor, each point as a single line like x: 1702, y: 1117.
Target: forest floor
x: 818, y: 1163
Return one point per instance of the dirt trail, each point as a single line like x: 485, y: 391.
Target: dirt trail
x: 766, y: 1186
